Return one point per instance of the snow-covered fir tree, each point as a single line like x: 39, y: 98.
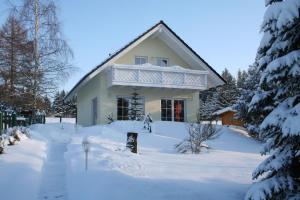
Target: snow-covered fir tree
x: 278, y: 96
x: 241, y: 79
x: 135, y: 111
x: 208, y: 104
x: 58, y: 105
x: 71, y: 108
x: 228, y: 93
x: 66, y: 108
x: 251, y: 119
x: 227, y: 76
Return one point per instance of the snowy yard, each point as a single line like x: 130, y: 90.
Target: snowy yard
x: 50, y: 165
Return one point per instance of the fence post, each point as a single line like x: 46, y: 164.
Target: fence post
x: 1, y: 122
x: 30, y: 120
x: 5, y: 120
x: 9, y: 121
x: 13, y: 119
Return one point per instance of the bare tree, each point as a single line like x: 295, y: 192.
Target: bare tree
x: 51, y: 53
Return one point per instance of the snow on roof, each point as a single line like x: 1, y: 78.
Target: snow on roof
x: 227, y: 109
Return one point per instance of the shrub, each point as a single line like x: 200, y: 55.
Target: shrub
x: 110, y: 118
x: 2, y: 143
x: 147, y: 122
x: 198, y: 133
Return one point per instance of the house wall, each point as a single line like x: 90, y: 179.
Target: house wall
x: 107, y: 97
x: 84, y: 101
x: 153, y: 48
x: 107, y: 100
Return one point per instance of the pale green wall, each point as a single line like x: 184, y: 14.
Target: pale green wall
x: 107, y: 97
x: 152, y: 98
x: 153, y: 48
x: 84, y: 101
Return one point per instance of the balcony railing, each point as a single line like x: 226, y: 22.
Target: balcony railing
x: 156, y: 76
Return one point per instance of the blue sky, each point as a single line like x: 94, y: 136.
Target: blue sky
x: 223, y: 32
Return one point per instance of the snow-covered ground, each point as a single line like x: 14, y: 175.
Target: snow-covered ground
x: 53, y: 161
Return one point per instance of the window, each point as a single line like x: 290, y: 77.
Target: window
x: 172, y: 109
x: 163, y: 62
x: 179, y: 110
x: 166, y: 110
x: 122, y: 106
x: 139, y: 60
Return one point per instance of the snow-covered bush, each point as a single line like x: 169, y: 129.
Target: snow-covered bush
x: 2, y: 143
x: 11, y: 140
x: 110, y: 118
x: 198, y: 134
x: 147, y: 122
x: 12, y: 135
x: 24, y: 130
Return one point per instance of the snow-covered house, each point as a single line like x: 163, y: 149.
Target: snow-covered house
x: 167, y: 72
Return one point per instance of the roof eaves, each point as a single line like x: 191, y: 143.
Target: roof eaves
x: 112, y: 56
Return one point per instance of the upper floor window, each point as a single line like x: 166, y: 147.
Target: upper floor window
x: 139, y: 60
x: 163, y: 62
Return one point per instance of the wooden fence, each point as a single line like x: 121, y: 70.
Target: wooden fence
x: 8, y: 120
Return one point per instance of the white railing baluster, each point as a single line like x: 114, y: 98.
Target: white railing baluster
x: 134, y: 75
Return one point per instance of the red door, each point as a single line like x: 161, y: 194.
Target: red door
x: 179, y: 110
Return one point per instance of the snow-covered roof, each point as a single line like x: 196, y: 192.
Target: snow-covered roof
x: 224, y: 110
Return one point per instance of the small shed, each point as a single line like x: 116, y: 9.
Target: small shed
x: 227, y: 116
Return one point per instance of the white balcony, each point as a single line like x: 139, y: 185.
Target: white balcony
x: 156, y: 76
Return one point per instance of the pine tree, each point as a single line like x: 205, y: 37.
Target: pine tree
x: 241, y: 79
x: 71, y: 108
x: 58, y: 105
x: 15, y: 56
x: 228, y: 93
x: 278, y: 99
x: 251, y: 119
x: 208, y: 104
x: 135, y: 111
x: 227, y: 76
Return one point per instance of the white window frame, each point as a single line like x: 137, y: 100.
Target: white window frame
x: 166, y: 99
x: 140, y: 57
x: 172, y: 107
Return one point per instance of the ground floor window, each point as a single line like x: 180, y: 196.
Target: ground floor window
x: 166, y: 110
x: 123, y: 107
x: 172, y: 109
